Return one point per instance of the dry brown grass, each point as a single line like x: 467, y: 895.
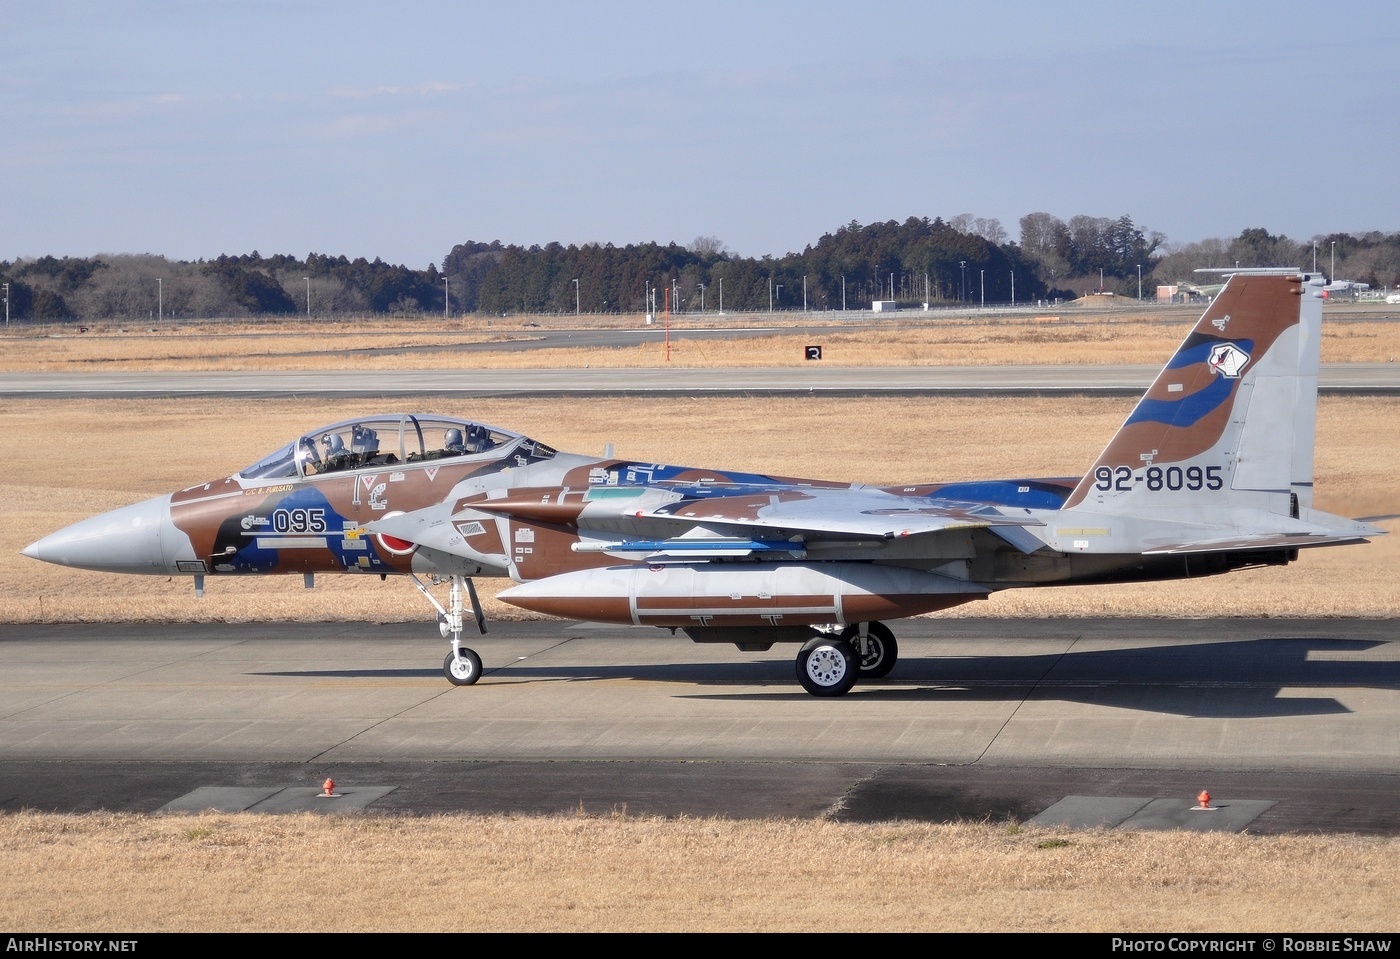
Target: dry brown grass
x: 111, y: 454
x: 614, y: 873
x: 947, y: 342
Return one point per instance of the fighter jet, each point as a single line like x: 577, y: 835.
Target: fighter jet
x: 1212, y: 472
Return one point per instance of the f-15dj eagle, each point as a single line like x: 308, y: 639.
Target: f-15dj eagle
x: 1212, y: 472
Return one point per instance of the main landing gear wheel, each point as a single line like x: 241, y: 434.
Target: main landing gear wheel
x: 827, y: 667
x: 463, y: 667
x: 881, y: 651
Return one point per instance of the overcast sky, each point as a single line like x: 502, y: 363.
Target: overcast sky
x: 191, y: 128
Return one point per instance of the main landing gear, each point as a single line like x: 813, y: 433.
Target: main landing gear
x: 462, y: 667
x: 830, y: 665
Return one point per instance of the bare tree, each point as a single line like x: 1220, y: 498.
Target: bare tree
x: 707, y: 246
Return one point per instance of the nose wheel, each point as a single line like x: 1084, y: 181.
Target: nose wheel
x: 462, y: 667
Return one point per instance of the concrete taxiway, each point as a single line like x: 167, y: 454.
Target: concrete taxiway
x: 1288, y: 724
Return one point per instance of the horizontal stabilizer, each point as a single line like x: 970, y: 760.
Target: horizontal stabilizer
x: 1267, y: 541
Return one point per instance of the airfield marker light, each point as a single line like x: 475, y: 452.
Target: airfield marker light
x: 328, y: 789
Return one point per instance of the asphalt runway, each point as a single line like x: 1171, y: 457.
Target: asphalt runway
x: 1288, y: 724
x: 1371, y: 379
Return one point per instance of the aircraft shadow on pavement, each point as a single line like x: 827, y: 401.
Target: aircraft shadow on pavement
x: 1228, y: 679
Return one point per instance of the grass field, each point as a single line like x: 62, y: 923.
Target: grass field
x: 115, y: 873
x: 1068, y: 336
x: 614, y: 873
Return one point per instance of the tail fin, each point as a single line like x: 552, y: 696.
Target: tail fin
x: 1231, y: 419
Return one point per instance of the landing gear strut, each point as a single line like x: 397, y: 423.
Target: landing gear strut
x: 462, y: 666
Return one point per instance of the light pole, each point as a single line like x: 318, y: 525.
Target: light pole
x: 843, y: 293
x: 962, y: 265
x: 1139, y: 266
x: 7, y: 304
x: 160, y: 298
x: 1013, y: 287
x: 576, y: 298
x: 1314, y: 256
x: 446, y: 297
x: 721, y: 296
x: 308, y: 294
x: 702, y: 298
x: 804, y: 292
x: 1332, y: 277
x: 984, y: 288
x: 779, y: 298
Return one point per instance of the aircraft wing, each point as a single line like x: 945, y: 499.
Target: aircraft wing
x: 836, y: 514
x: 714, y: 521
x: 744, y: 522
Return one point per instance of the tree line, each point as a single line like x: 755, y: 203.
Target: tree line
x: 917, y: 261
x: 145, y: 286
x: 965, y: 259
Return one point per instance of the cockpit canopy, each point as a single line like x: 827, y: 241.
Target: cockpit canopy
x: 378, y: 441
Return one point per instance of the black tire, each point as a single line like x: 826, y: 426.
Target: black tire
x: 462, y: 670
x: 883, y: 650
x: 827, y: 667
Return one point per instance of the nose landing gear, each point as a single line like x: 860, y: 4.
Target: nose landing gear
x: 462, y: 667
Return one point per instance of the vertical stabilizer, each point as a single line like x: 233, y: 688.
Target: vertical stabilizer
x: 1231, y: 418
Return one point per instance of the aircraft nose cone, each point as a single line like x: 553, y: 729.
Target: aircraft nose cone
x: 127, y: 540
